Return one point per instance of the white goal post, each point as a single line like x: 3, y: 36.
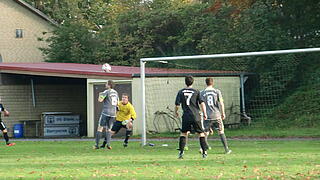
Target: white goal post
x: 143, y: 61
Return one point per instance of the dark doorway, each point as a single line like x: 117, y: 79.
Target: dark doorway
x: 120, y: 88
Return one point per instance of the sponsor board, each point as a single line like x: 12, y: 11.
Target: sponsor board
x: 61, y: 131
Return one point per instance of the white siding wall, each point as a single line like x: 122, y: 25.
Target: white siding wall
x: 14, y: 16
x: 161, y: 93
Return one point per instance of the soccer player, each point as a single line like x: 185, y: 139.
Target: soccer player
x: 109, y: 98
x: 190, y: 100
x: 3, y: 127
x: 125, y: 116
x: 215, y: 112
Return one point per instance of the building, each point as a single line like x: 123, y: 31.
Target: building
x: 29, y: 89
x: 21, y: 26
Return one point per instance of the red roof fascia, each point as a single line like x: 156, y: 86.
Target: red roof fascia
x: 92, y: 69
x: 62, y: 68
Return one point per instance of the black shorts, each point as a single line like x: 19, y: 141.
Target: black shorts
x: 106, y: 121
x: 2, y: 126
x: 190, y: 124
x: 117, y: 126
x: 214, y: 125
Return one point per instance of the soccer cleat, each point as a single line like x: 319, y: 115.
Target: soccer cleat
x: 125, y: 144
x: 204, y: 155
x: 11, y: 144
x: 180, y: 156
x: 228, y: 151
x: 95, y: 147
x: 109, y: 147
x: 200, y: 150
x: 103, y: 145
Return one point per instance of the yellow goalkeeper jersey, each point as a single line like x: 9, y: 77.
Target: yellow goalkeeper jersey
x: 125, y: 112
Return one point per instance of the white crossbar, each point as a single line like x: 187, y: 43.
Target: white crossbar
x: 244, y: 54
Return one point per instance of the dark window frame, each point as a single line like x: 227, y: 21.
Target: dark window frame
x: 19, y: 33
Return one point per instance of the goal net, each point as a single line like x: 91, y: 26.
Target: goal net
x: 161, y: 93
x: 259, y: 85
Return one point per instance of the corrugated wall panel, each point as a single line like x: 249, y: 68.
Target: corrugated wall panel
x: 49, y: 98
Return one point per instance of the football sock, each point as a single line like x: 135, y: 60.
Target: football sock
x: 6, y: 137
x: 203, y: 144
x: 224, y: 141
x: 108, y: 137
x: 128, y: 134
x: 104, y: 142
x: 182, y: 143
x: 206, y: 138
x: 98, y: 136
x: 186, y: 141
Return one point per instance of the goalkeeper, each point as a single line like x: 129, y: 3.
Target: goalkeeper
x: 125, y: 116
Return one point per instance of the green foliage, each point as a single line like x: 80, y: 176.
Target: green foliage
x: 180, y: 27
x: 122, y: 32
x: 301, y: 108
x: 71, y: 43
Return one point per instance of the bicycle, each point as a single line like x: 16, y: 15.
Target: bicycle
x: 244, y: 118
x: 172, y: 123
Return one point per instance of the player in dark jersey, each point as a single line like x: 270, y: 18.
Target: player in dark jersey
x: 215, y: 112
x: 3, y: 127
x: 190, y: 100
x: 110, y: 99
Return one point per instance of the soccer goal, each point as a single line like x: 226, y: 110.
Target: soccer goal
x: 279, y: 78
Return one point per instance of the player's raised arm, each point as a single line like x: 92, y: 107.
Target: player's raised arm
x: 6, y: 112
x: 102, y: 96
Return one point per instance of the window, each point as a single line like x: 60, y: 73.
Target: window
x: 19, y: 33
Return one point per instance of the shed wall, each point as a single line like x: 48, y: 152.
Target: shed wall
x: 17, y: 98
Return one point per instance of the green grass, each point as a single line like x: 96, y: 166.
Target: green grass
x: 273, y: 132
x: 247, y: 132
x: 77, y: 160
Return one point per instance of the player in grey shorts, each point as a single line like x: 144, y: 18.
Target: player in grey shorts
x: 215, y: 112
x: 110, y: 99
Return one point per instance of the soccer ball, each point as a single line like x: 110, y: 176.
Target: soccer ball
x: 106, y: 67
x: 125, y: 122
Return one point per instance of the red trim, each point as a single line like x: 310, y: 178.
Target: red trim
x: 92, y: 69
x: 61, y: 68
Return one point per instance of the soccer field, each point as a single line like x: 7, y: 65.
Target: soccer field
x: 287, y: 159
